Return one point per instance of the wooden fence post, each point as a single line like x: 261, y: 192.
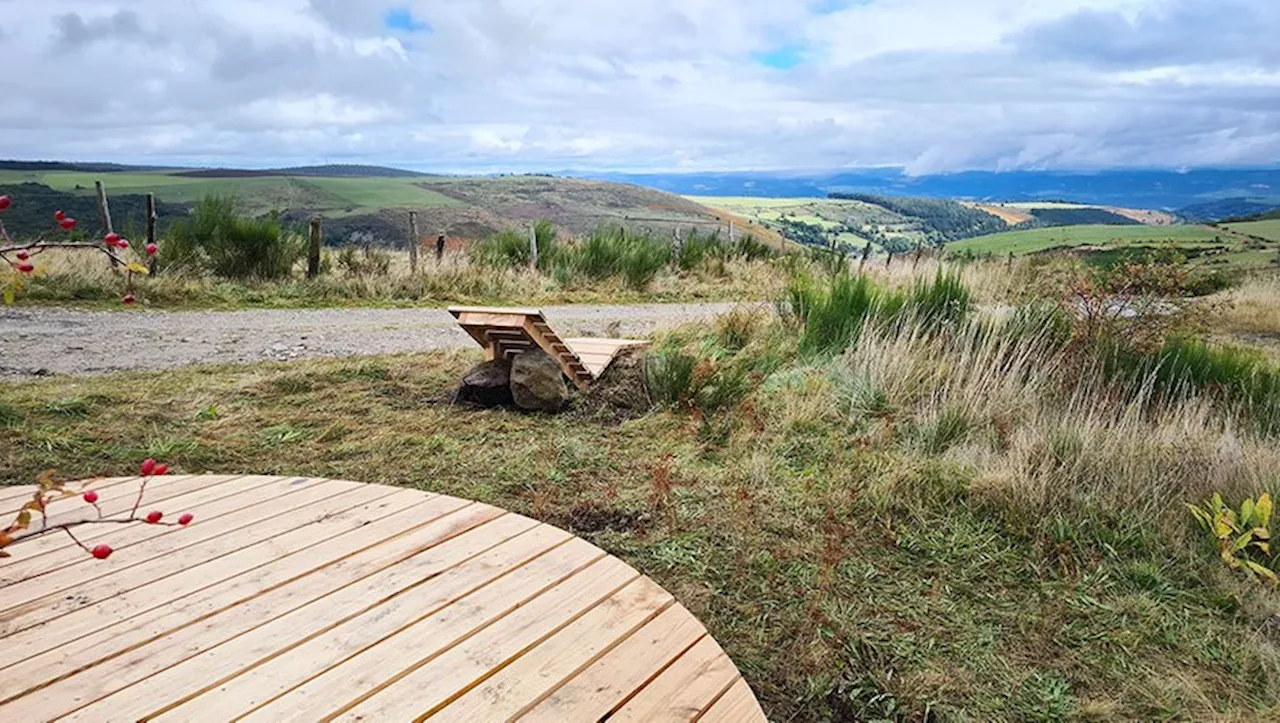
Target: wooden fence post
x: 413, y: 242
x: 533, y: 247
x: 866, y: 252
x: 313, y: 250
x: 732, y: 235
x: 889, y: 261
x: 104, y: 215
x: 1010, y: 265
x: 440, y: 241
x: 151, y: 230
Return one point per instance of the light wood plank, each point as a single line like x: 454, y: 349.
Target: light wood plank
x: 738, y: 705
x: 685, y: 689
x: 155, y: 557
x: 381, y: 660
x: 170, y: 579
x: 115, y: 501
x: 252, y: 599
x: 136, y: 682
x: 520, y: 310
x: 13, y: 497
x: 391, y: 602
x: 477, y: 318
x: 541, y: 670
x: 602, y: 687
x: 435, y: 681
x: 207, y: 504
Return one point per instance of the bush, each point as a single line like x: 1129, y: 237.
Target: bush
x: 215, y: 238
x: 611, y: 252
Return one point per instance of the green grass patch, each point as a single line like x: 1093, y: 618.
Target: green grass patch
x: 1269, y: 230
x: 1043, y: 239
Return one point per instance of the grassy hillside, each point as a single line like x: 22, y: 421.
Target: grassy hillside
x: 1042, y: 239
x: 377, y: 205
x: 1269, y: 230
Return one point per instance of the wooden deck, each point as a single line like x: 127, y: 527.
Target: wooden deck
x: 295, y: 599
x: 506, y: 331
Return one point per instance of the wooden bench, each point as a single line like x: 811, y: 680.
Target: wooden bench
x: 504, y: 332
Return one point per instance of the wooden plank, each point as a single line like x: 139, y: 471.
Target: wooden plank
x: 596, y: 691
x: 509, y: 321
x: 522, y: 311
x: 737, y: 705
x: 547, y: 340
x: 396, y: 598
x: 246, y: 601
x: 380, y: 661
x: 207, y: 504
x: 154, y: 557
x: 685, y: 689
x: 435, y: 681
x: 541, y: 670
x: 161, y: 582
x: 116, y: 499
x: 130, y: 685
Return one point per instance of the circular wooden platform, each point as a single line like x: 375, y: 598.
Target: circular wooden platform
x: 308, y: 599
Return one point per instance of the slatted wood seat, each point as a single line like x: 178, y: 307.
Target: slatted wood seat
x: 295, y: 598
x: 504, y: 332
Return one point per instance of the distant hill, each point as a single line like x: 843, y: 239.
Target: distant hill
x: 1230, y: 209
x: 1153, y: 189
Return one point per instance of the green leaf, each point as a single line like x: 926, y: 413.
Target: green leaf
x: 1242, y: 541
x: 1262, y: 571
x: 1246, y: 513
x: 1263, y: 510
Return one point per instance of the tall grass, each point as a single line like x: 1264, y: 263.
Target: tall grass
x: 612, y: 252
x: 510, y: 248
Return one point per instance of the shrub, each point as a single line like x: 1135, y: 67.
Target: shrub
x: 1242, y: 539
x: 232, y: 246
x: 610, y: 252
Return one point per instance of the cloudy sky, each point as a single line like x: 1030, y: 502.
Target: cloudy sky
x: 520, y: 85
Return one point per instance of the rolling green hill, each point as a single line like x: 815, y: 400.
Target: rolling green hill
x: 1043, y: 239
x: 1269, y: 230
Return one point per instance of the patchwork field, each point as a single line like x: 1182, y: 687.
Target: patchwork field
x: 1043, y: 239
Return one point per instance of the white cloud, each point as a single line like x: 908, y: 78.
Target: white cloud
x: 934, y: 85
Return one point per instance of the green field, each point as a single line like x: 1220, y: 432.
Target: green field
x: 1043, y: 239
x: 1269, y: 230
x: 319, y: 194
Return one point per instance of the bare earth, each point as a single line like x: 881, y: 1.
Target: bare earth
x: 36, y: 342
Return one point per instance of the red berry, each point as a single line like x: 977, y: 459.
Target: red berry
x: 148, y: 466
x: 161, y: 469
x: 186, y: 519
x: 102, y: 552
x: 91, y: 497
x: 67, y: 224
x: 111, y: 239
x: 122, y: 244
x: 23, y: 255
x: 59, y: 215
x: 152, y: 249
x: 128, y: 300
x: 5, y: 202
x: 26, y: 267
x: 154, y: 516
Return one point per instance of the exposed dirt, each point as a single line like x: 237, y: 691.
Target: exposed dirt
x: 37, y: 342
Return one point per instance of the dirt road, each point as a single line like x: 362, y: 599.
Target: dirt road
x: 56, y: 341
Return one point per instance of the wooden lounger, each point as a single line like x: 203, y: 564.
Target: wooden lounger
x: 504, y: 332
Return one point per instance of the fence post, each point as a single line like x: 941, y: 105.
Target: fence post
x: 1010, y: 265
x: 313, y: 250
x: 919, y: 250
x: 865, y: 253
x: 151, y: 230
x: 440, y: 248
x: 732, y: 235
x: 413, y: 242
x: 104, y: 215
x: 533, y: 247
x: 889, y: 261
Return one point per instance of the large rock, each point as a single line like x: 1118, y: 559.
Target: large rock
x: 487, y: 384
x: 537, y: 384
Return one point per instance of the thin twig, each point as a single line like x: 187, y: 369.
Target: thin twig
x: 76, y: 540
x: 141, y: 490
x: 66, y: 526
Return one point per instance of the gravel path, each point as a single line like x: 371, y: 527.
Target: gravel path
x: 35, y: 342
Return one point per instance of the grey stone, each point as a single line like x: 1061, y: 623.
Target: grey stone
x: 487, y: 384
x: 537, y: 384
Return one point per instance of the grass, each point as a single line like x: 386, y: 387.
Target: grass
x: 1269, y: 230
x: 957, y: 547
x: 1043, y: 239
x: 939, y: 521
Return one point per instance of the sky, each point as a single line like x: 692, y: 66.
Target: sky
x: 644, y: 85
